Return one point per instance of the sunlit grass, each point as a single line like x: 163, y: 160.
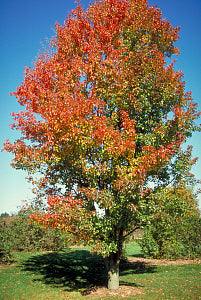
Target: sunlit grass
x: 168, y: 282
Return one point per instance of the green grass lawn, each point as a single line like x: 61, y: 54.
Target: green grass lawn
x: 65, y: 275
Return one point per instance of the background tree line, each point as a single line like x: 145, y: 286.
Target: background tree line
x: 18, y: 233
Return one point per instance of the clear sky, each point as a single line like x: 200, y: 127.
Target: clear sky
x: 24, y: 25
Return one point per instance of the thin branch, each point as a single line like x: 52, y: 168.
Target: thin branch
x: 138, y: 227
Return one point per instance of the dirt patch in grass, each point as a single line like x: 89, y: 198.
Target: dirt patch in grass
x: 123, y: 291
x: 163, y: 262
x: 3, y: 266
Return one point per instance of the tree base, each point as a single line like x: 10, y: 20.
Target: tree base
x: 113, y: 279
x: 113, y: 274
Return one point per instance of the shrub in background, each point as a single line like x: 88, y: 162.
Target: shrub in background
x: 29, y: 236
x: 173, y: 229
x: 6, y: 256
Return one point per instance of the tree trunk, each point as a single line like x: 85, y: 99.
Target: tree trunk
x: 112, y: 264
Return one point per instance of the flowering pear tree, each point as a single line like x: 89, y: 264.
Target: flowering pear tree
x: 103, y: 114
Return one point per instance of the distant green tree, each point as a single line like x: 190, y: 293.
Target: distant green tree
x: 6, y: 256
x: 4, y: 215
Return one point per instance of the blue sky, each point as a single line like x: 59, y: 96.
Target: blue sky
x: 24, y: 25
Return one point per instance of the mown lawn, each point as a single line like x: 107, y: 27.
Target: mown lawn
x: 68, y: 274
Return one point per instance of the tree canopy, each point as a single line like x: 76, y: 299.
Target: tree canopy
x: 103, y: 116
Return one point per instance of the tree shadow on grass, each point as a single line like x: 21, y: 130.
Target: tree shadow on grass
x: 76, y: 270
x: 136, y: 267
